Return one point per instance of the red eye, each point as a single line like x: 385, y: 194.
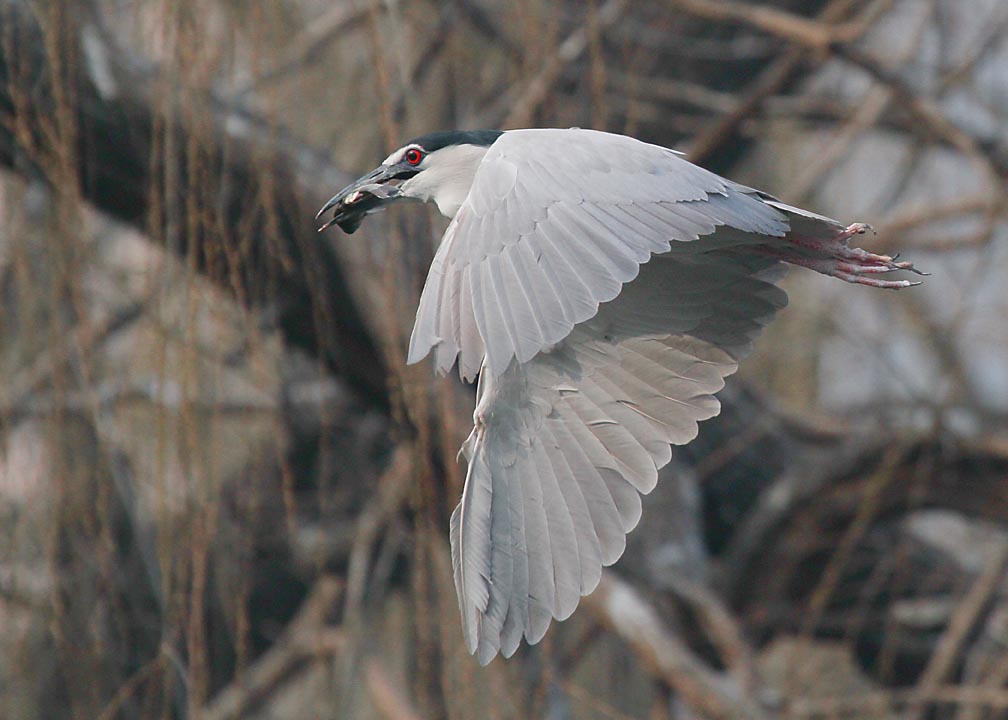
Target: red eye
x: 413, y: 156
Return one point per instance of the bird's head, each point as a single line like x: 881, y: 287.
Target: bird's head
x: 439, y: 167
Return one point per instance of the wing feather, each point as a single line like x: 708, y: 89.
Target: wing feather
x: 568, y: 441
x: 517, y: 610
x: 565, y: 557
x: 567, y: 458
x: 547, y: 295
x: 590, y: 205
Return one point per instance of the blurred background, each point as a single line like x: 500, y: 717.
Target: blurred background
x: 223, y: 495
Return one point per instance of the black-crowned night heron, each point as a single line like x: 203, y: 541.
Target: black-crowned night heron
x: 601, y: 288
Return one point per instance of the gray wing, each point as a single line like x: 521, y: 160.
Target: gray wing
x: 555, y: 223
x: 565, y: 443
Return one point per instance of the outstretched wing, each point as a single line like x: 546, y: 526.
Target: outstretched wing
x: 565, y: 443
x: 555, y: 223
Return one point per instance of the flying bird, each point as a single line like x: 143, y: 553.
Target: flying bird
x: 600, y: 289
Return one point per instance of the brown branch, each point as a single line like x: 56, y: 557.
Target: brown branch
x: 333, y: 25
x: 963, y: 621
x: 772, y: 79
x: 386, y: 699
x: 622, y: 609
x: 868, y: 509
x: 810, y: 33
x: 869, y: 109
x: 129, y: 688
x: 925, y: 111
x: 939, y: 211
x: 305, y: 638
x: 392, y: 494
x: 835, y: 40
x: 721, y: 627
x: 518, y: 107
x: 253, y: 208
x: 885, y: 702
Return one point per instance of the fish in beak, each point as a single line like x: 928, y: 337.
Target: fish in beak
x: 364, y: 196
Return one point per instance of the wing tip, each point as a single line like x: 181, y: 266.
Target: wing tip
x: 416, y: 351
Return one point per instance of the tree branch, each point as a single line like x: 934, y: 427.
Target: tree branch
x: 621, y: 608
x: 306, y: 637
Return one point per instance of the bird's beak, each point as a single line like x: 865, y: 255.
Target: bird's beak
x: 363, y: 196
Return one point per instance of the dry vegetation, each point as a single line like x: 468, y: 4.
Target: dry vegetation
x: 224, y: 496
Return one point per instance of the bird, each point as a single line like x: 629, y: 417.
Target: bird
x: 599, y: 289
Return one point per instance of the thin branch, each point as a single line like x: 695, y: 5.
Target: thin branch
x: 937, y: 212
x: 392, y: 494
x: 306, y: 637
x: 621, y: 608
x: 332, y: 26
x: 800, y: 30
x: 518, y: 107
x: 723, y: 630
x: 386, y: 699
x: 770, y: 81
x: 885, y: 702
x: 867, y: 112
x: 963, y: 621
x: 868, y: 509
x: 835, y: 40
x: 926, y: 111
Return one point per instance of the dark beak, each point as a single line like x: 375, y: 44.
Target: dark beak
x: 364, y: 196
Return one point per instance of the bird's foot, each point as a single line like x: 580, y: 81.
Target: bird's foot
x: 835, y: 257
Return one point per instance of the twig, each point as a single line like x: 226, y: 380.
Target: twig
x: 340, y: 18
x: 485, y: 23
x: 386, y: 699
x: 972, y: 696
x: 723, y: 631
x: 659, y: 89
x: 594, y: 702
x: 772, y: 79
x: 774, y: 505
x: 393, y: 492
x: 518, y: 111
x: 810, y: 33
x: 835, y: 39
x: 867, y: 112
x: 625, y: 612
x: 128, y: 688
x: 867, y: 510
x: 18, y: 389
x: 929, y: 115
x: 305, y: 638
x: 963, y: 621
x: 939, y: 211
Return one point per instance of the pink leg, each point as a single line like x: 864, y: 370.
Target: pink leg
x: 833, y: 256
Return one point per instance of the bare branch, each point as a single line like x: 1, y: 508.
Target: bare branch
x: 335, y: 23
x: 305, y: 638
x: 772, y: 79
x: 518, y: 110
x: 392, y: 494
x: 625, y: 612
x: 955, y: 635
x: 810, y: 33
x: 835, y: 40
x: 387, y: 700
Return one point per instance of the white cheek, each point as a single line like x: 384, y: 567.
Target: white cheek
x: 447, y: 178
